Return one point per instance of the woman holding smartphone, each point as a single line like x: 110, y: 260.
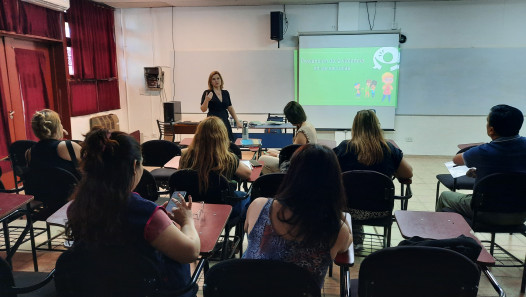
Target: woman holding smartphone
x: 106, y: 212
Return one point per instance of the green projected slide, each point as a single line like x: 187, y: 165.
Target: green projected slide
x: 348, y: 76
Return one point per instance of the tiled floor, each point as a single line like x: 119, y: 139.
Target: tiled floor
x: 424, y: 189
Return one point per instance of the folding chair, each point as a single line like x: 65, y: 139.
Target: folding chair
x: 166, y: 130
x: 499, y: 206
x: 259, y: 278
x: 156, y: 153
x: 30, y: 284
x: 415, y: 271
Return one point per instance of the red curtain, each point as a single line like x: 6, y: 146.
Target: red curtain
x: 40, y: 21
x: 83, y: 98
x: 30, y: 65
x: 8, y: 15
x: 92, y: 40
x: 108, y: 95
x: 93, y: 46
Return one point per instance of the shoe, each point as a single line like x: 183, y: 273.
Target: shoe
x: 358, y: 247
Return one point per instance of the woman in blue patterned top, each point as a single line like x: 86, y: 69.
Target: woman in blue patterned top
x: 304, y: 224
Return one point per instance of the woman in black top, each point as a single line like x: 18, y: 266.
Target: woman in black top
x: 217, y: 102
x: 51, y: 150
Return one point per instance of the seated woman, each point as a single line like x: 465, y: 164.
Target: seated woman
x: 368, y: 150
x: 304, y: 224
x: 305, y: 133
x: 105, y: 212
x: 51, y: 150
x: 209, y: 152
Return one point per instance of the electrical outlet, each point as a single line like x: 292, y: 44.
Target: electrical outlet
x: 408, y: 139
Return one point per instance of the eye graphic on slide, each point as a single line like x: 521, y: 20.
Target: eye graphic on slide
x: 385, y: 53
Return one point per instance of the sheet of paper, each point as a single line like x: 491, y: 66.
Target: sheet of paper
x: 247, y: 162
x: 456, y: 170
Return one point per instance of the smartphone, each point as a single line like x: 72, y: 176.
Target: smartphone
x: 171, y: 204
x: 255, y: 163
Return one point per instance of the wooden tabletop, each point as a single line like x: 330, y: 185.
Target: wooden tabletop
x: 186, y: 141
x: 173, y: 163
x: 11, y: 202
x: 438, y: 225
x: 466, y: 145
x: 209, y: 226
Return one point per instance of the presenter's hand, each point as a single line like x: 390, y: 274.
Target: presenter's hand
x: 239, y: 125
x: 209, y: 96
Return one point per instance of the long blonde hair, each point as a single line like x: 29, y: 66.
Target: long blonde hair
x: 209, y: 152
x: 367, y: 138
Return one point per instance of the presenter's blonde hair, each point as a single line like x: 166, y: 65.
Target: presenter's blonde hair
x: 210, y: 87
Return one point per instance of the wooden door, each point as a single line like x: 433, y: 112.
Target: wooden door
x: 30, y: 84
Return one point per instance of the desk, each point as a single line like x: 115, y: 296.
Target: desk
x: 209, y: 226
x: 442, y: 225
x: 10, y: 209
x: 345, y: 260
x: 186, y: 141
x: 173, y: 163
x: 185, y: 127
x: 466, y: 145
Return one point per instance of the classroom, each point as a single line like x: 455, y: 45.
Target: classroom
x: 458, y: 59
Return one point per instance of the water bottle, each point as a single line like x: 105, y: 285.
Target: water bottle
x: 244, y: 134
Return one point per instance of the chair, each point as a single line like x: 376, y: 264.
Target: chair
x: 220, y: 191
x: 236, y: 150
x: 111, y: 271
x: 415, y: 271
x: 27, y: 283
x: 166, y: 129
x: 156, y: 153
x: 259, y: 278
x: 453, y: 184
x: 147, y: 187
x: 370, y: 191
x: 286, y: 153
x: 51, y: 188
x: 499, y: 206
x: 266, y: 185
x: 17, y: 155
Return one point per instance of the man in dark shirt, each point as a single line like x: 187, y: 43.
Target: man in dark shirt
x: 505, y: 153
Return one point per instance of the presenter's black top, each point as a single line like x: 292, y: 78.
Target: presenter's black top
x: 218, y: 108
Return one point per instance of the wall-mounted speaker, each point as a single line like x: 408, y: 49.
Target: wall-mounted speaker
x: 276, y: 25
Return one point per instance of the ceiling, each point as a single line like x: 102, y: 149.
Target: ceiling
x: 204, y: 3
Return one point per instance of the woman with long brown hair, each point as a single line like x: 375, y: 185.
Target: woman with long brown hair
x: 105, y: 212
x: 368, y: 150
x: 209, y: 152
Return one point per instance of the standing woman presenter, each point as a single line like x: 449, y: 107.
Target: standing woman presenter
x: 217, y: 102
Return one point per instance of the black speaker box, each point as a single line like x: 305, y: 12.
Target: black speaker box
x: 276, y: 25
x: 172, y: 111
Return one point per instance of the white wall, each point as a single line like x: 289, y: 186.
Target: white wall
x: 144, y: 38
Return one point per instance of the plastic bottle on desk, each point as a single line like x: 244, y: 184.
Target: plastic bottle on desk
x: 244, y: 134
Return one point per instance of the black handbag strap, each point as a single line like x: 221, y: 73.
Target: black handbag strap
x: 72, y: 153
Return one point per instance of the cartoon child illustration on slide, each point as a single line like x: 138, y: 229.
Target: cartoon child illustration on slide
x: 387, y: 79
x: 373, y: 87
x: 367, y: 88
x: 357, y: 87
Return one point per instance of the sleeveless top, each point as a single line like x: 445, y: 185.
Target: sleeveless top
x: 265, y: 243
x: 174, y: 274
x: 309, y: 131
x: 44, y: 155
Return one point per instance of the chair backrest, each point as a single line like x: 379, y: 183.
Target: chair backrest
x: 368, y: 190
x: 417, y: 271
x: 51, y: 186
x: 158, y: 152
x: 286, y: 153
x: 105, y: 271
x: 219, y: 188
x: 166, y: 129
x: 258, y: 278
x: 147, y: 187
x: 17, y: 155
x: 236, y: 150
x: 266, y: 185
x: 6, y: 279
x: 500, y: 199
